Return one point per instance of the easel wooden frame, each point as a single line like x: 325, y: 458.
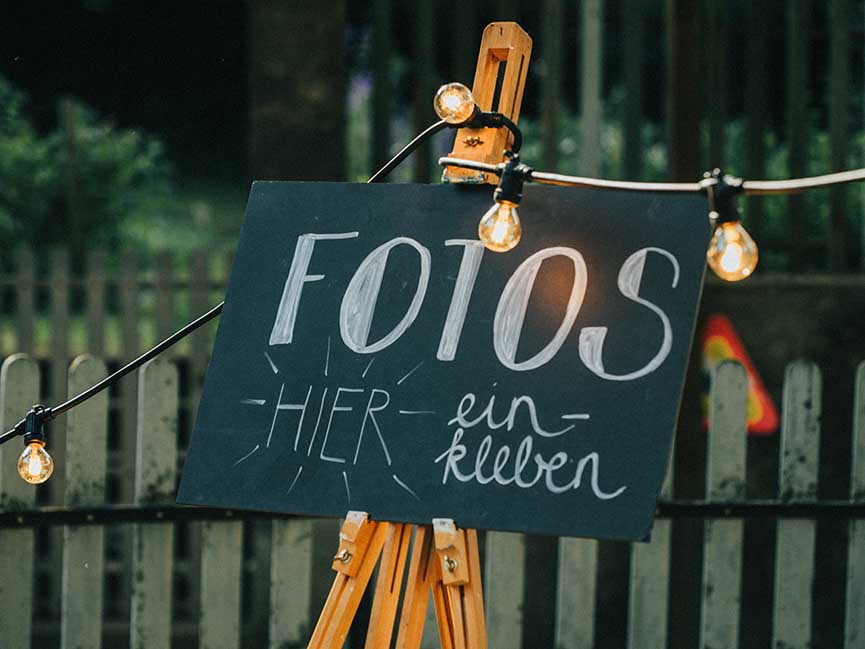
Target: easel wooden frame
x: 445, y: 560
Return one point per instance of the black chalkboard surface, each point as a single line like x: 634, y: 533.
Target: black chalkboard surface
x: 373, y: 356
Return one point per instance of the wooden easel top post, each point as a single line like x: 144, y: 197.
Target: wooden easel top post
x: 502, y: 43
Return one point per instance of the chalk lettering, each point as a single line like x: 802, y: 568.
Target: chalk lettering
x: 359, y: 300
x: 592, y: 338
x: 286, y: 312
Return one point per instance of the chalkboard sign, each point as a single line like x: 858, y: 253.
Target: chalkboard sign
x: 372, y: 355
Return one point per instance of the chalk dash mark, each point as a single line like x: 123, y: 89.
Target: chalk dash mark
x: 411, y: 371
x: 347, y: 490
x: 245, y: 457
x: 405, y: 486
x: 272, y: 364
x: 293, y: 482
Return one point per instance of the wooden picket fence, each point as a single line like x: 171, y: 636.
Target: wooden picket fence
x: 298, y: 565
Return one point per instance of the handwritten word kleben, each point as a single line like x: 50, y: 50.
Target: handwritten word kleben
x: 361, y: 295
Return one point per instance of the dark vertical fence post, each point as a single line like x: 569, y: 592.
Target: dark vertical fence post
x: 422, y: 62
x: 797, y: 102
x: 551, y: 54
x: 633, y: 153
x: 839, y: 82
x: 381, y: 89
x: 683, y: 90
x: 756, y: 80
x: 716, y: 66
x: 465, y: 40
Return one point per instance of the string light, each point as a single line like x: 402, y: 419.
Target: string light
x: 500, y: 228
x: 35, y: 464
x: 454, y: 104
x: 732, y: 253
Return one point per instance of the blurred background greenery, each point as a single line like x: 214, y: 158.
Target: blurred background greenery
x: 140, y: 125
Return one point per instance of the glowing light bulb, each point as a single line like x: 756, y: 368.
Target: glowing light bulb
x: 35, y: 464
x: 500, y: 227
x: 732, y: 252
x: 454, y: 103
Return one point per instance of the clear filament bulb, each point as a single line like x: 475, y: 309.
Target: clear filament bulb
x: 35, y: 464
x: 732, y: 252
x: 454, y: 103
x: 500, y: 228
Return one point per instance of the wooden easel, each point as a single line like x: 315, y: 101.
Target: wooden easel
x: 444, y: 559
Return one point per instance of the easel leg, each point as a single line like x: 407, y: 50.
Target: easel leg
x: 388, y: 586
x: 414, y: 604
x: 361, y: 543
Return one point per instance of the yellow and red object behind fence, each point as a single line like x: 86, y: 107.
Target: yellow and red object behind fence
x: 721, y: 343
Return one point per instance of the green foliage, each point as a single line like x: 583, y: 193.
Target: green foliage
x: 92, y: 178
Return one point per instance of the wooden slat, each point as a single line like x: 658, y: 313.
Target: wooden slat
x: 503, y: 588
x: 590, y: 92
x: 551, y: 97
x: 725, y: 480
x: 290, y: 582
x: 95, y: 291
x: 854, y: 620
x: 83, y: 546
x: 128, y: 402
x: 24, y: 289
x: 155, y: 471
x: 575, y: 603
x: 129, y: 336
x: 19, y: 389
x: 165, y: 296
x: 648, y: 602
x: 59, y: 360
x: 199, y: 343
x: 221, y: 557
x: 794, y: 553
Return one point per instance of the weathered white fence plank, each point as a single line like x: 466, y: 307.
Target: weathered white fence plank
x: 725, y: 480
x: 650, y: 581
x: 794, y: 553
x: 221, y: 566
x: 503, y: 588
x: 19, y: 389
x: 854, y: 620
x: 155, y: 470
x: 575, y: 601
x: 291, y: 582
x: 83, y: 546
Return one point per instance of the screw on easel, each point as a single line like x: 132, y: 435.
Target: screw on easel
x: 450, y: 564
x: 343, y: 555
